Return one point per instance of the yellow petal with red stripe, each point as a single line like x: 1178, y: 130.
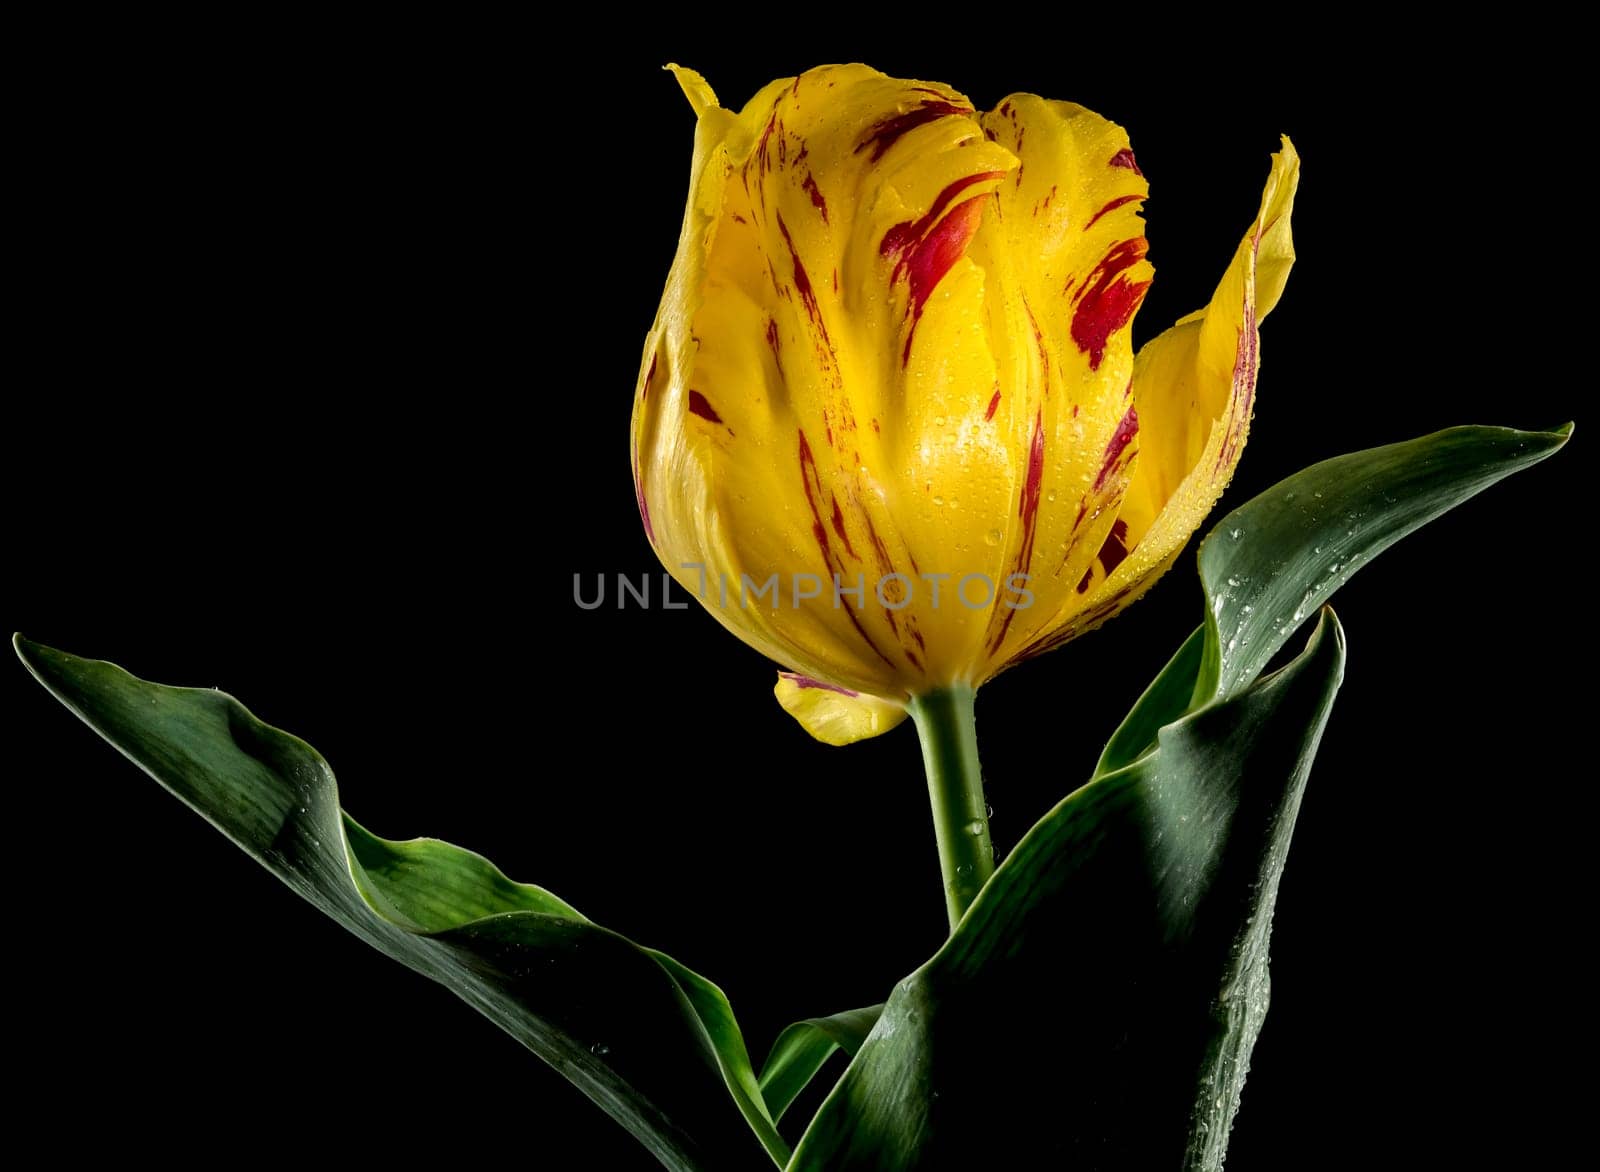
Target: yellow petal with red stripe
x: 1194, y: 388
x: 835, y: 716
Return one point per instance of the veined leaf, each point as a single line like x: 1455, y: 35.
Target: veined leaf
x: 654, y: 1044
x: 1097, y: 1005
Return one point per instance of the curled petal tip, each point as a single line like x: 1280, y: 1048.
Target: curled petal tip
x: 699, y: 92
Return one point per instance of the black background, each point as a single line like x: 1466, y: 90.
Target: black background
x: 324, y: 356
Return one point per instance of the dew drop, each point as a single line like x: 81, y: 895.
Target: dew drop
x: 939, y: 501
x: 1236, y: 533
x: 975, y: 827
x: 992, y: 537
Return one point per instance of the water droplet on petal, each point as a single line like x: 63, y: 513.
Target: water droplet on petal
x: 992, y: 537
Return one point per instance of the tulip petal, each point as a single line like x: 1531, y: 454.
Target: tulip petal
x: 834, y: 715
x: 1065, y: 262
x: 820, y: 317
x: 1194, y: 388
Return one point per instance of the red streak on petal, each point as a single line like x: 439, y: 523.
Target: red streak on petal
x: 887, y: 132
x: 809, y: 185
x: 1124, y: 158
x: 1245, y: 361
x: 925, y: 255
x: 1107, y: 302
x: 644, y: 509
x: 898, y: 239
x: 773, y: 341
x: 838, y: 527
x: 650, y: 375
x: 819, y: 531
x: 994, y: 404
x: 701, y: 406
x: 1120, y: 201
x: 1127, y: 428
x: 932, y: 257
x: 802, y: 284
x: 1028, y: 510
x: 805, y: 682
x: 1115, y: 551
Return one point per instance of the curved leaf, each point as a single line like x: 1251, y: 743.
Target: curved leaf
x: 1271, y: 563
x: 1097, y: 1005
x: 802, y: 1048
x: 1158, y: 881
x: 654, y: 1044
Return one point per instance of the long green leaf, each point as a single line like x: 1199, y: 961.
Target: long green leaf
x: 1271, y: 563
x: 1112, y: 965
x: 1097, y: 1005
x: 654, y: 1044
x: 802, y: 1048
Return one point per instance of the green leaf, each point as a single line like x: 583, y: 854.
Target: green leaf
x: 654, y: 1044
x: 1271, y: 563
x: 1097, y: 1005
x: 1158, y: 882
x: 802, y: 1048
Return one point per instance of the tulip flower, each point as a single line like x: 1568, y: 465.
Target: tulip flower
x: 889, y: 426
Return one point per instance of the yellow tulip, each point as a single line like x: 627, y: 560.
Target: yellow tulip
x: 889, y: 426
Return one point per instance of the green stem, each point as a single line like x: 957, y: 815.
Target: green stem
x: 955, y: 788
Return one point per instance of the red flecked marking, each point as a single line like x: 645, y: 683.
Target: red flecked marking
x: 1039, y: 346
x: 902, y: 237
x: 886, y: 133
x: 1124, y: 158
x: 819, y: 532
x: 1028, y: 511
x: 1127, y: 428
x: 910, y: 654
x: 773, y: 341
x: 1115, y: 551
x: 650, y: 375
x: 644, y: 508
x: 1107, y: 301
x: 835, y: 280
x: 876, y: 427
x: 925, y: 255
x: 994, y: 404
x: 1245, y: 361
x: 1112, y: 554
x: 701, y: 406
x: 1120, y: 201
x: 838, y: 527
x: 806, y: 682
x: 738, y: 219
x: 802, y: 284
x: 809, y: 185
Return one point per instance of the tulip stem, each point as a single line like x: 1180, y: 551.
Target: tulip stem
x: 955, y: 788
